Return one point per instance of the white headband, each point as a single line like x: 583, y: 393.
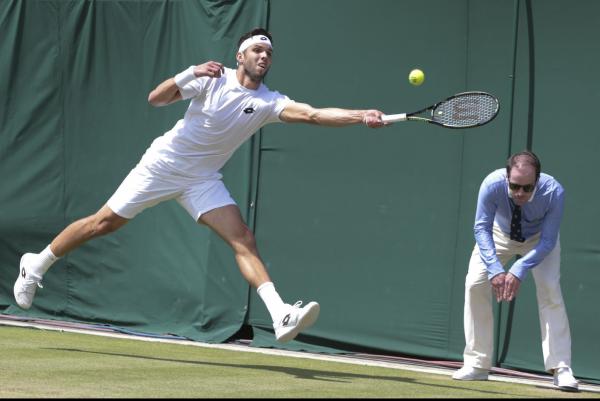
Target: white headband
x: 254, y: 40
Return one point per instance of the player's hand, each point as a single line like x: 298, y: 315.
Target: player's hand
x: 498, y: 283
x: 212, y: 69
x: 511, y: 287
x: 372, y: 119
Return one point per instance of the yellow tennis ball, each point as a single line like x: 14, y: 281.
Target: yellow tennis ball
x: 416, y: 77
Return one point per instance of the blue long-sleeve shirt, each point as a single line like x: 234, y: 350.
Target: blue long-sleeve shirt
x: 543, y: 213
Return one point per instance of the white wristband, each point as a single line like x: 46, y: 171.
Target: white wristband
x: 184, y: 77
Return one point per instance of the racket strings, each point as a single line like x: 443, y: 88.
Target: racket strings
x: 466, y: 110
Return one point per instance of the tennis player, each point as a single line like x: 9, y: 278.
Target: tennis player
x: 227, y: 107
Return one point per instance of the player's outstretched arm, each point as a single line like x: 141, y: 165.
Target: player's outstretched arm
x: 330, y: 116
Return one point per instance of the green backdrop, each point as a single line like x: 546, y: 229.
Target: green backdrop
x: 376, y: 225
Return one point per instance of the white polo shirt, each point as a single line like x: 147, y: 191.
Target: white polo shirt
x: 220, y: 117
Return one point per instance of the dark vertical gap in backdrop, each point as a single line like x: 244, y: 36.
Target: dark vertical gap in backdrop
x: 531, y: 74
x: 497, y: 352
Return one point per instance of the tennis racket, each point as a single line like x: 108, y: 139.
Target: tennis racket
x: 463, y: 110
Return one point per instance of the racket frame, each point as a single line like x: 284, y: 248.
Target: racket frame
x: 413, y: 116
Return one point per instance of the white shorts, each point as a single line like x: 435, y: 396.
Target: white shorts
x: 144, y: 188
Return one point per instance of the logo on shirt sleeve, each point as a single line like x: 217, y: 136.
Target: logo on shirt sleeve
x: 249, y: 110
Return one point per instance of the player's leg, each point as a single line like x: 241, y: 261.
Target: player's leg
x: 288, y: 320
x: 141, y: 189
x: 33, y: 266
x: 209, y: 203
x: 103, y: 222
x: 227, y: 222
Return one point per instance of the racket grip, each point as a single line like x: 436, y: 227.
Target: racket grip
x: 392, y: 118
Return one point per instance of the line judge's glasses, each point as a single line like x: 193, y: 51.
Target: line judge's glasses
x: 516, y: 187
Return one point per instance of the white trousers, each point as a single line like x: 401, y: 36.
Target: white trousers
x: 478, y: 313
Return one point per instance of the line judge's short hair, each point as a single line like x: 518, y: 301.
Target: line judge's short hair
x: 525, y: 157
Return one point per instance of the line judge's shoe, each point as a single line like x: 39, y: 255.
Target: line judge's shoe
x: 470, y: 373
x: 26, y: 283
x: 564, y: 379
x: 295, y: 320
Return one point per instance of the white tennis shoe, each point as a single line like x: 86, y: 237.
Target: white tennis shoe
x: 471, y: 373
x: 564, y: 379
x: 295, y: 320
x: 26, y: 283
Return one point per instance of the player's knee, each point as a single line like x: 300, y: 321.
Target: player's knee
x: 104, y: 225
x: 245, y: 239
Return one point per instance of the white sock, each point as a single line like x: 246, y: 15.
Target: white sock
x: 43, y: 261
x: 271, y: 299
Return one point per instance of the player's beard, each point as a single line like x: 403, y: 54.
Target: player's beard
x: 255, y: 76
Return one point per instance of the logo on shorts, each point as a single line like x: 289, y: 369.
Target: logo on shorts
x: 248, y: 110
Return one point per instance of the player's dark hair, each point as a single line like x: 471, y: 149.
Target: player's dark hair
x: 524, y: 158
x: 254, y: 32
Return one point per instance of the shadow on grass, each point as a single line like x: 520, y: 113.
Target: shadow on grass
x: 300, y: 373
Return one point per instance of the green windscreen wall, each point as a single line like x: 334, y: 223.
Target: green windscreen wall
x: 375, y: 225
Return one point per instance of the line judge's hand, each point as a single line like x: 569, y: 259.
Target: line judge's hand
x: 372, y: 119
x: 511, y: 287
x: 498, y: 286
x: 212, y: 69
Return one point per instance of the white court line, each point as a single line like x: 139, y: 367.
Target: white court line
x: 297, y: 354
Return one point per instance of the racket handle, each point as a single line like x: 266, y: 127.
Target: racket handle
x: 392, y: 118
